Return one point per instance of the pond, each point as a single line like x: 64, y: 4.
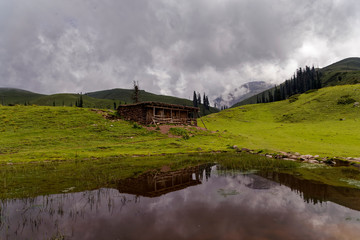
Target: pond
x: 205, y: 201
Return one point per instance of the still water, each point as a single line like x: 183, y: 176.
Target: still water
x: 203, y: 202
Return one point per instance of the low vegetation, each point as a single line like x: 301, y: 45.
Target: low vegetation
x: 313, y: 123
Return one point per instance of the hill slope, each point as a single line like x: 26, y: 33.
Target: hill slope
x: 107, y: 99
x: 16, y: 96
x: 125, y: 96
x: 68, y: 99
x: 319, y: 122
x: 346, y: 71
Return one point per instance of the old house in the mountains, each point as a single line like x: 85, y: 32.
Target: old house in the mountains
x: 159, y: 113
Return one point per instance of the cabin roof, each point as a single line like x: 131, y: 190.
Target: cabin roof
x: 160, y: 104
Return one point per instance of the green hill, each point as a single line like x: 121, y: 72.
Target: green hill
x: 323, y: 122
x: 68, y: 99
x: 346, y: 71
x: 16, y: 96
x: 125, y: 96
x: 106, y: 99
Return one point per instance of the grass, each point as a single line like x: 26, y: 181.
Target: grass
x: 313, y: 124
x: 38, y: 133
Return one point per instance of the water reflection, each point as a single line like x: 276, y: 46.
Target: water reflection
x: 154, y: 184
x: 317, y: 192
x: 217, y: 205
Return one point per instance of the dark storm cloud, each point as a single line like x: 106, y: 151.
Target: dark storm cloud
x: 170, y: 47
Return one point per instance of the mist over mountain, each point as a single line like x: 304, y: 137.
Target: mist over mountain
x: 243, y: 92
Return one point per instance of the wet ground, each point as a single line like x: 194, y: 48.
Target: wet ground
x: 203, y: 202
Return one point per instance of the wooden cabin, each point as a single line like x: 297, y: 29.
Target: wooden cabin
x: 159, y: 113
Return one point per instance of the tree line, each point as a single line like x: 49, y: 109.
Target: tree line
x: 303, y: 80
x: 197, y: 100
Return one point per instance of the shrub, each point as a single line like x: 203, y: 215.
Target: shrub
x: 346, y: 99
x: 294, y: 98
x: 311, y: 91
x: 179, y: 132
x: 137, y: 126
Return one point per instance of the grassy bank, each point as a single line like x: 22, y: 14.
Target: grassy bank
x: 322, y: 122
x: 29, y: 180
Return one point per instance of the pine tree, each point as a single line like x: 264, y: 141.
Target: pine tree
x: 271, y: 98
x: 195, y: 101
x: 81, y: 103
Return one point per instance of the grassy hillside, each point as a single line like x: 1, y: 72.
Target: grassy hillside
x: 40, y: 133
x: 125, y: 96
x: 346, y: 71
x: 67, y: 99
x: 106, y: 99
x: 317, y: 123
x: 16, y: 96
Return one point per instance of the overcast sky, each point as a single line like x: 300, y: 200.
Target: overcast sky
x: 170, y: 47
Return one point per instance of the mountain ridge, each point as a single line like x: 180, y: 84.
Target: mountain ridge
x: 343, y: 72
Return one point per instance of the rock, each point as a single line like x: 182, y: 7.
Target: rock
x: 165, y: 168
x: 313, y: 161
x: 269, y: 156
x: 289, y: 159
x: 235, y: 147
x: 285, y: 154
x: 356, y: 104
x: 316, y: 156
x: 245, y: 150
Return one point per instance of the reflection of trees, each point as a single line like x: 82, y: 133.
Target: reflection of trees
x: 316, y: 192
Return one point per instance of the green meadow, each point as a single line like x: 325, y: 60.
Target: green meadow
x: 40, y: 133
x: 323, y: 122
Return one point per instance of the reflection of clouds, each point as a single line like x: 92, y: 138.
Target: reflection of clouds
x: 195, y: 212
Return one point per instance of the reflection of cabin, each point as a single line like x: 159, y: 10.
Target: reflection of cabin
x: 154, y: 184
x: 156, y: 113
